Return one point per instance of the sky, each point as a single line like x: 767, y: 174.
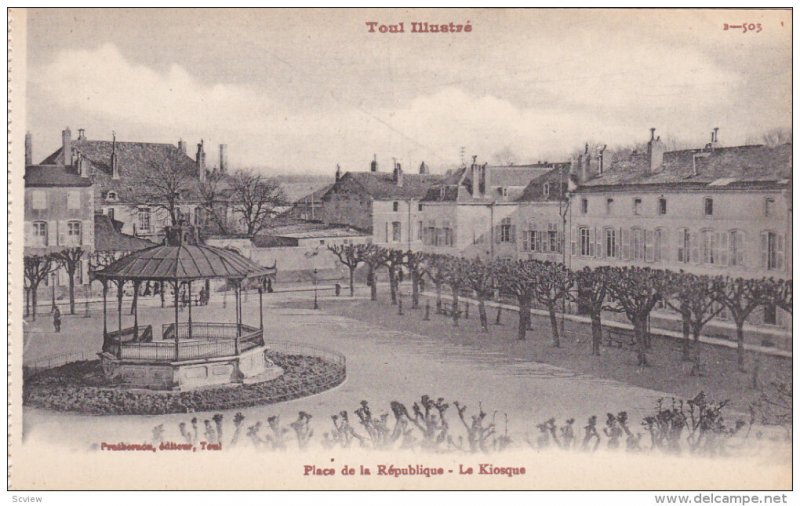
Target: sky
x: 300, y: 91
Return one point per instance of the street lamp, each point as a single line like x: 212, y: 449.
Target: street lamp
x: 53, y: 285
x: 316, y: 305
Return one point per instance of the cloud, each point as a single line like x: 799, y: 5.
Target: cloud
x: 537, y: 113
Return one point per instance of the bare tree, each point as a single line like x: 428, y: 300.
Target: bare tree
x: 417, y: 268
x: 164, y: 185
x: 553, y: 283
x: 694, y: 297
x: 254, y: 199
x: 70, y: 259
x: 37, y: 268
x: 636, y: 290
x: 350, y: 255
x: 592, y: 294
x: 741, y: 297
x: 517, y: 278
x: 215, y: 197
x: 480, y: 278
x: 375, y: 257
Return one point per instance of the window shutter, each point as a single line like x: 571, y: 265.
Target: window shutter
x: 598, y: 239
x: 626, y: 244
x: 664, y: 245
x: 764, y: 250
x: 649, y: 254
x: 28, y: 232
x: 572, y: 240
x: 723, y: 248
x: 779, y: 251
x: 513, y: 233
x: 591, y: 242
x: 497, y: 237
x: 738, y: 239
x: 526, y: 240
x: 694, y: 247
x: 618, y: 244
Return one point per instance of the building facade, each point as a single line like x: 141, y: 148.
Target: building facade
x: 715, y: 211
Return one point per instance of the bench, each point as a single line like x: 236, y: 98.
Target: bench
x: 620, y: 338
x: 448, y: 311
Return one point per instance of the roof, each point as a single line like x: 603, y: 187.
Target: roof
x: 310, y: 230
x: 54, y: 175
x: 314, y: 196
x: 107, y: 236
x: 183, y: 262
x: 381, y: 185
x: 515, y: 175
x: 739, y: 166
x: 557, y: 180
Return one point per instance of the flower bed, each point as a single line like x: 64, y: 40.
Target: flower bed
x: 81, y: 387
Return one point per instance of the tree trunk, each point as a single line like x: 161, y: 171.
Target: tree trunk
x: 686, y: 337
x: 414, y: 290
x: 524, y: 318
x: 597, y: 333
x: 72, y: 292
x: 34, y: 289
x: 482, y: 314
x: 639, y: 328
x: 27, y: 302
x: 551, y: 309
x: 161, y: 291
x: 393, y: 285
x: 499, y: 314
x: 352, y: 281
x: 740, y: 345
x: 373, y: 286
x: 438, y: 297
x: 455, y: 307
x: 696, y: 368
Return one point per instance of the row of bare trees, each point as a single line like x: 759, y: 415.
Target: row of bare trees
x: 632, y: 291
x: 38, y: 267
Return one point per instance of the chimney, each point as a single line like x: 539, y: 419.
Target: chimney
x: 655, y: 153
x: 182, y: 146
x: 338, y: 173
x: 397, y: 175
x: 714, y: 144
x: 200, y: 161
x: 28, y: 148
x: 223, y: 158
x: 66, y: 147
x: 81, y: 134
x: 114, y: 160
x: 373, y: 165
x: 423, y: 169
x: 601, y: 159
x: 476, y: 177
x: 83, y: 166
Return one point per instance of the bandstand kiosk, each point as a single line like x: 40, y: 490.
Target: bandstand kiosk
x: 189, y: 354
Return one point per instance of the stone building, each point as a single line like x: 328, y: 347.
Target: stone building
x: 112, y: 167
x: 542, y: 215
x: 475, y: 212
x: 715, y: 210
x: 385, y: 205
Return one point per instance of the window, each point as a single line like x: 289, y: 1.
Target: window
x: 771, y: 251
x: 610, y: 242
x: 662, y: 206
x: 637, y: 205
x: 396, y: 236
x: 110, y: 212
x: 79, y: 272
x: 708, y: 206
x: 769, y: 206
x: 585, y: 242
x: 111, y: 195
x: 584, y: 206
x: 419, y: 207
x: 322, y: 241
x: 73, y: 199
x: 39, y: 199
x: 504, y: 191
x: 506, y: 230
x: 144, y: 219
x: 684, y: 245
x: 419, y: 230
x: 395, y: 206
x: 199, y: 216
x: 73, y: 233
x: 710, y: 247
x: 736, y: 245
x: 39, y: 233
x: 637, y: 244
x: 546, y: 190
x: 609, y: 206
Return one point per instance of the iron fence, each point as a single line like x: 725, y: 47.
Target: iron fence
x: 51, y: 361
x: 205, y: 330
